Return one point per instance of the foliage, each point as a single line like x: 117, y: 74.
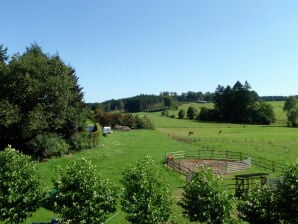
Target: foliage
x: 146, y: 198
x: 291, y: 108
x: 168, y: 101
x: 260, y: 113
x: 39, y: 94
x: 205, y: 198
x: 181, y: 114
x: 144, y: 122
x: 208, y: 114
x: 164, y: 113
x: 82, y: 197
x: 48, y: 144
x: 262, y: 205
x: 3, y: 54
x: 287, y: 194
x: 258, y: 206
x: 118, y: 118
x: 238, y: 104
x: 191, y: 113
x: 20, y: 191
x: 150, y: 102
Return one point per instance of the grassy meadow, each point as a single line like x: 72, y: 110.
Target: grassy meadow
x: 275, y: 142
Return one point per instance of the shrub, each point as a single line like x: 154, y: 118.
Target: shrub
x: 207, y: 114
x: 205, y: 198
x: 146, y: 198
x: 181, y: 114
x: 191, y: 113
x: 164, y: 113
x: 287, y: 194
x: 258, y: 206
x: 47, y: 145
x: 81, y: 197
x: 20, y: 191
x: 144, y: 122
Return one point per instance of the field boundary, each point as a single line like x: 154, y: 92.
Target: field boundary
x: 235, y: 161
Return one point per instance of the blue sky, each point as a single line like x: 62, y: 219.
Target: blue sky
x: 127, y: 47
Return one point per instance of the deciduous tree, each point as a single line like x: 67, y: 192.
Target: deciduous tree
x: 146, y: 198
x: 181, y: 114
x: 39, y: 94
x: 191, y: 113
x: 287, y: 194
x: 206, y: 199
x: 291, y: 108
x: 20, y: 190
x: 82, y: 197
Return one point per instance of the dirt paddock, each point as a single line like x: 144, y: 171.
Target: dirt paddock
x: 218, y: 166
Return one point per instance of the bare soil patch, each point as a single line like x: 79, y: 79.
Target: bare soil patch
x: 218, y: 166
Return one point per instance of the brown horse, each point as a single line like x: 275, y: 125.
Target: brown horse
x: 190, y: 133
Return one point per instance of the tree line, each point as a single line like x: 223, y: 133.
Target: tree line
x: 163, y: 101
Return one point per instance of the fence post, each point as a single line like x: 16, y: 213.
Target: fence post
x: 273, y: 167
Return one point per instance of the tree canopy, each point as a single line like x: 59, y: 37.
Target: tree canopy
x: 238, y: 104
x: 20, y: 190
x: 39, y: 94
x: 146, y: 197
x: 291, y: 107
x: 81, y: 196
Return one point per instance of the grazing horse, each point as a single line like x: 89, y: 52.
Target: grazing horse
x: 190, y: 133
x: 170, y: 158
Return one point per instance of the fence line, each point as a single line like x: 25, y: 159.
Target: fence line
x: 237, y: 159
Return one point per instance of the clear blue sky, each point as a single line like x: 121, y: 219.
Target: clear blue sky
x: 127, y: 47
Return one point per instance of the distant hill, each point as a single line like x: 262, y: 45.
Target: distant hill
x: 152, y: 102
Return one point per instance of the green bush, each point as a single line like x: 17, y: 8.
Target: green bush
x: 287, y: 194
x: 82, y: 197
x: 144, y: 122
x: 206, y: 199
x: 146, y: 198
x: 181, y: 114
x: 258, y: 206
x: 20, y: 190
x: 191, y: 113
x: 47, y: 145
x: 81, y: 140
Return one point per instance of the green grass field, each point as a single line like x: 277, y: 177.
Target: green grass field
x: 276, y: 142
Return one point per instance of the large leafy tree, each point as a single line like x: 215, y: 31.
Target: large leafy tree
x: 206, y: 199
x: 39, y: 94
x: 81, y: 196
x: 20, y: 190
x: 146, y: 198
x: 291, y: 108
